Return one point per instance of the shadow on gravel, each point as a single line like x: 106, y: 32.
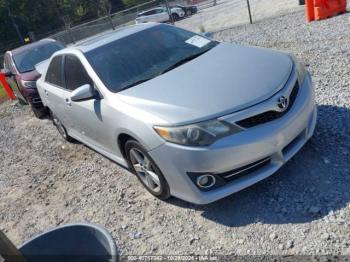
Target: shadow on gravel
x: 311, y: 185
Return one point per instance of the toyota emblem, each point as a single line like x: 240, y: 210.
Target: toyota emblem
x: 283, y: 103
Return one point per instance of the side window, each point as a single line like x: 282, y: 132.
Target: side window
x: 54, y: 72
x: 152, y: 12
x: 75, y: 73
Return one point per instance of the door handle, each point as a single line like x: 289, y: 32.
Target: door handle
x: 46, y: 93
x: 68, y: 102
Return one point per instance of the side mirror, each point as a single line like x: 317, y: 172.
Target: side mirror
x: 7, y: 73
x: 84, y: 92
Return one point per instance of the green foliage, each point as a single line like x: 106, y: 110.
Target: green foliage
x: 2, y: 92
x: 80, y: 11
x: 134, y: 2
x: 48, y: 16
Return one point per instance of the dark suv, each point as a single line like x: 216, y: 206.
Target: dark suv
x: 21, y: 75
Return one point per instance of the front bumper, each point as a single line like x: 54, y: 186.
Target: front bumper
x: 277, y: 140
x: 33, y: 97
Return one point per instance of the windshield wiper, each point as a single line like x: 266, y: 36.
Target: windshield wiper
x: 183, y: 61
x: 136, y: 83
x: 26, y: 71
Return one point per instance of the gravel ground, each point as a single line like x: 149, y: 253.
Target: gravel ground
x: 228, y: 13
x: 303, y: 209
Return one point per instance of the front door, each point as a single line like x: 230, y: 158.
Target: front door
x: 86, y: 118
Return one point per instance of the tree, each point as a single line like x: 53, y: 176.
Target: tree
x: 116, y: 5
x: 45, y: 17
x: 134, y: 2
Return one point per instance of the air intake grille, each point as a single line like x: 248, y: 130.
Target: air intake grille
x: 245, y: 170
x: 269, y: 115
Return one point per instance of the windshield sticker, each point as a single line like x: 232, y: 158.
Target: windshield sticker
x: 197, y: 41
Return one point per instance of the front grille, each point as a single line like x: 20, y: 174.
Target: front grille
x: 36, y: 100
x: 269, y: 115
x: 245, y: 170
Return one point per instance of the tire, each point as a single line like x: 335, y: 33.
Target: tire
x: 175, y: 17
x: 40, y: 112
x: 146, y: 170
x: 301, y: 2
x: 22, y: 102
x: 61, y: 129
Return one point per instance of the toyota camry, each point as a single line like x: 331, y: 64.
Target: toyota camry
x: 191, y: 117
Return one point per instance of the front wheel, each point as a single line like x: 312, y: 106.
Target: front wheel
x: 146, y: 170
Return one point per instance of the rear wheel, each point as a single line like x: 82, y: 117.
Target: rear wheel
x: 146, y: 170
x: 61, y: 129
x: 175, y: 17
x: 40, y: 112
x: 21, y: 101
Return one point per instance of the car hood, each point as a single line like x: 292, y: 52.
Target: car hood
x: 226, y: 79
x: 30, y: 76
x: 42, y: 66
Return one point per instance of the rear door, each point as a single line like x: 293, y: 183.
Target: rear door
x: 152, y: 16
x: 162, y: 15
x: 54, y: 91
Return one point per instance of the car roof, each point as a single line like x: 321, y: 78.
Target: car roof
x: 32, y: 45
x: 154, y: 8
x: 105, y: 38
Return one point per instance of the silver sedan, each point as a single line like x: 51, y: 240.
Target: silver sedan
x: 190, y: 117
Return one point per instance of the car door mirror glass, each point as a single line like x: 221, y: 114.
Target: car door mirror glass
x: 84, y: 92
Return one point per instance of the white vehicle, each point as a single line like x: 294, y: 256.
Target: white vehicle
x: 159, y: 15
x: 139, y: 96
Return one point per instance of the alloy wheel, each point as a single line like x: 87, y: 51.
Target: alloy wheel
x: 145, y: 170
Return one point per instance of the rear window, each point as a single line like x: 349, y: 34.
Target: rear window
x: 54, y: 72
x: 146, y: 13
x: 27, y: 59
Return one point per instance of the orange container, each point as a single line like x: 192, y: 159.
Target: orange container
x: 309, y: 10
x: 7, y: 88
x: 327, y: 8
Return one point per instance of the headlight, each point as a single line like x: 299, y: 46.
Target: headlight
x: 28, y: 84
x: 302, y: 72
x: 200, y: 134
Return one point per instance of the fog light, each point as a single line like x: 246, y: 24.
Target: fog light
x: 206, y: 181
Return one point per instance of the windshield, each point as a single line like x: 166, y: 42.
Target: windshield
x: 27, y: 59
x: 144, y: 55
